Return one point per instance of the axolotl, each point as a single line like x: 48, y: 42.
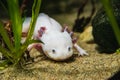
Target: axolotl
x: 57, y: 41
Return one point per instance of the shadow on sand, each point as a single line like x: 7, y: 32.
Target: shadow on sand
x: 116, y: 76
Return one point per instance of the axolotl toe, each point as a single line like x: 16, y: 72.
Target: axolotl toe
x: 57, y: 42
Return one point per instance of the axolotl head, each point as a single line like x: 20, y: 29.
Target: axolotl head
x: 57, y: 45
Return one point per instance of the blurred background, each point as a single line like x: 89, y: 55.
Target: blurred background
x: 64, y: 11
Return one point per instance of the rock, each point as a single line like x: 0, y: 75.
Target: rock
x: 102, y: 30
x: 86, y: 36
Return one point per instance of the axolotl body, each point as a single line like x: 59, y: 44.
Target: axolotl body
x: 57, y: 42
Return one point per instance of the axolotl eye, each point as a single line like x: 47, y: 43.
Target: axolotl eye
x: 69, y: 48
x: 53, y: 51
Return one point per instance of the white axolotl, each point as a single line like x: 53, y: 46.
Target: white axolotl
x: 57, y: 42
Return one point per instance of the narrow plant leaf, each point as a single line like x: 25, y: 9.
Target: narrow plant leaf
x: 6, y: 53
x: 35, y: 41
x: 16, y: 21
x: 6, y: 37
x: 35, y: 12
x: 118, y: 51
x: 4, y: 64
x: 109, y: 12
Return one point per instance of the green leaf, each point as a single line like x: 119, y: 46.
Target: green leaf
x: 6, y: 53
x: 16, y: 50
x: 4, y: 64
x: 35, y: 41
x: 35, y: 12
x: 6, y: 37
x: 16, y: 22
x: 118, y: 51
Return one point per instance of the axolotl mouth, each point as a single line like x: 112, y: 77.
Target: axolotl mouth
x: 61, y: 57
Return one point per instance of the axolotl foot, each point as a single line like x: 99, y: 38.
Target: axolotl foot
x: 81, y: 51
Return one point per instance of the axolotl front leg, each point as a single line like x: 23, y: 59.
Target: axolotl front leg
x: 37, y: 37
x: 75, y: 45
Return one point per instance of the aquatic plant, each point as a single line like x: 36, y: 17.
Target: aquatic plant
x: 15, y: 50
x: 118, y: 51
